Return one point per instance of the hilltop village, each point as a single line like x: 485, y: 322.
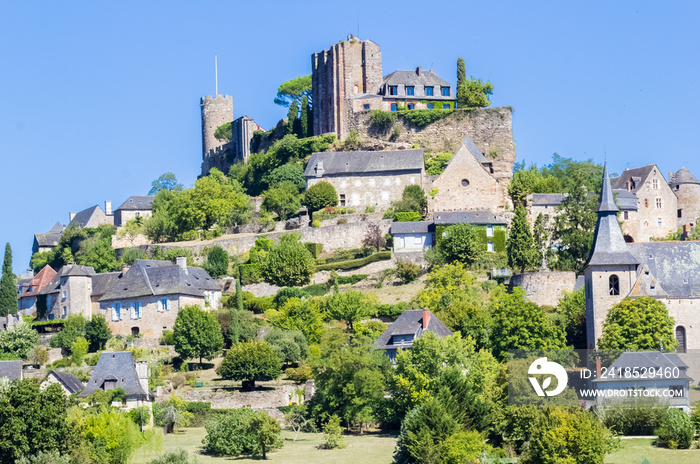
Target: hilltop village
x: 364, y: 265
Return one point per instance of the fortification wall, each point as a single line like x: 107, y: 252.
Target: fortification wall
x: 545, y: 287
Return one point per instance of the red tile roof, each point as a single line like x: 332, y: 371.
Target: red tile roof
x: 39, y: 281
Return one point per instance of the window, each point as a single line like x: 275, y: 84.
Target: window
x: 409, y: 90
x: 109, y: 384
x: 614, y: 282
x: 658, y: 203
x: 116, y: 311
x: 445, y: 91
x: 680, y: 213
x: 393, y: 107
x: 430, y: 106
x: 138, y: 214
x: 393, y: 90
x: 366, y: 106
x: 655, y: 184
x: 445, y: 106
x: 64, y: 294
x: 411, y: 106
x: 163, y: 304
x: 65, y: 311
x: 489, y: 230
x: 680, y: 336
x: 489, y: 247
x: 626, y: 215
x: 136, y: 310
x: 31, y: 288
x: 465, y: 183
x: 428, y: 91
x: 342, y: 200
x: 659, y: 221
x: 646, y: 202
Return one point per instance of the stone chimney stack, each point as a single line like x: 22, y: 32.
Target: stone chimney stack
x: 142, y: 371
x: 182, y: 262
x: 319, y: 169
x: 71, y: 216
x: 108, y: 207
x: 418, y: 71
x: 426, y: 318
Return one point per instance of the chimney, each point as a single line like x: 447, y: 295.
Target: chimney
x: 182, y: 262
x: 142, y: 371
x: 71, y: 216
x: 125, y: 269
x: 426, y: 318
x: 418, y: 71
x: 108, y: 207
x: 319, y: 169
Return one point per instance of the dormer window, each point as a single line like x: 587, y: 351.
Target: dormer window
x: 393, y: 90
x: 409, y: 90
x: 428, y: 91
x: 445, y: 91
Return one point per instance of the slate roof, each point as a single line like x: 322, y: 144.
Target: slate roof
x: 401, y: 77
x: 363, y: 162
x: 150, y: 277
x: 102, y: 282
x: 638, y: 175
x: 71, y: 382
x: 39, y: 281
x: 91, y: 217
x: 675, y: 265
x: 626, y: 200
x: 471, y: 217
x: 649, y: 359
x: 11, y: 370
x: 548, y: 199
x: 683, y: 176
x: 118, y: 366
x: 137, y: 203
x: 50, y: 238
x: 411, y: 322
x: 417, y: 227
x: 68, y: 269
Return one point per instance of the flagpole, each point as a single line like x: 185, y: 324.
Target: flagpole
x: 216, y: 76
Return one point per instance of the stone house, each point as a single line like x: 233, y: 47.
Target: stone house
x: 67, y: 293
x: 119, y: 370
x: 678, y: 385
x: 92, y: 217
x: 687, y: 190
x: 492, y: 228
x: 367, y: 178
x: 468, y: 183
x: 134, y: 206
x: 44, y: 242
x: 27, y: 299
x: 11, y: 370
x: 657, y: 204
x: 415, y: 90
x: 146, y: 298
x: 412, y: 236
x: 410, y: 326
x: 667, y: 271
x: 69, y: 383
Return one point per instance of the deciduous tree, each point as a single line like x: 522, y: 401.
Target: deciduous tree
x: 283, y: 201
x: 574, y: 227
x: 320, y: 195
x: 167, y: 181
x: 289, y: 263
x: 461, y: 243
x: 638, y: 324
x: 18, y: 340
x: 197, y: 333
x: 374, y: 238
x: 217, y: 262
x: 252, y: 361
x: 349, y: 307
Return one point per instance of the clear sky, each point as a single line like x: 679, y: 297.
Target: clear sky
x: 97, y: 99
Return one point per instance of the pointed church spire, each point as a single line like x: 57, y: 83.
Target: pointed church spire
x: 607, y: 198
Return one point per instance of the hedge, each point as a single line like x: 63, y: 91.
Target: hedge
x: 353, y: 279
x: 408, y: 217
x: 314, y: 248
x: 355, y: 263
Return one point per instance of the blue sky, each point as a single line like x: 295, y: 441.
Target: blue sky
x: 97, y: 99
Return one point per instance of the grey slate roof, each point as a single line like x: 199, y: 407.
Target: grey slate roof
x: 548, y: 199
x: 119, y: 366
x: 637, y: 175
x: 649, y: 359
x: 470, y: 217
x: 150, y: 277
x: 683, y: 176
x: 102, y: 282
x: 417, y: 227
x: 71, y: 382
x: 411, y: 322
x: 50, y: 238
x: 137, y: 203
x: 626, y: 200
x: 402, y: 77
x: 363, y: 162
x: 67, y: 270
x: 11, y: 370
x: 609, y: 246
x: 675, y: 265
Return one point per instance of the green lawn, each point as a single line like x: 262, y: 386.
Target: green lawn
x: 634, y: 451
x: 374, y: 448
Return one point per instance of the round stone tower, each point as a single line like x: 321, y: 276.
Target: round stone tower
x: 216, y: 111
x: 687, y: 189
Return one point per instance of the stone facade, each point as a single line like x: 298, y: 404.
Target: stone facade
x: 347, y: 70
x: 216, y: 110
x: 687, y: 190
x: 121, y: 217
x: 73, y: 297
x: 376, y: 190
x: 545, y: 287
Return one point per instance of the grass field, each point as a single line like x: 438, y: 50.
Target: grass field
x: 634, y: 451
x: 370, y: 448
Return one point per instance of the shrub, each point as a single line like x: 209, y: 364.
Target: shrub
x: 392, y: 311
x: 59, y: 363
x: 676, y: 431
x: 315, y: 290
x: 355, y: 263
x: 382, y: 119
x: 314, y: 248
x: 167, y: 338
x: 408, y: 217
x: 289, y: 263
x: 342, y: 221
x: 407, y: 271
x: 217, y: 262
x: 299, y: 374
x: 353, y: 279
x: 640, y: 418
x: 79, y: 349
x: 283, y: 294
x: 174, y: 457
x: 333, y: 434
x: 422, y: 118
x: 242, y: 431
x: 250, y: 273
x: 320, y: 195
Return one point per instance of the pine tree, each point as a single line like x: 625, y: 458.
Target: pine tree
x: 8, y: 286
x: 461, y: 81
x: 305, y: 122
x: 540, y: 237
x: 292, y: 117
x: 520, y: 248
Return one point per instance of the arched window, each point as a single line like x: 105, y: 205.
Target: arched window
x: 614, y: 285
x: 680, y: 336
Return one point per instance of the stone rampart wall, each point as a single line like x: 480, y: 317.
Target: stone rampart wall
x: 545, y: 287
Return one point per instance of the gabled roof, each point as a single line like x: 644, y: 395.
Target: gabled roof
x: 50, y: 238
x: 362, y: 162
x: 470, y: 217
x: 402, y: 77
x: 102, y: 282
x: 683, y: 176
x: 651, y: 360
x: 118, y: 366
x: 675, y: 265
x: 471, y: 147
x: 637, y: 176
x: 137, y: 203
x: 11, y: 370
x: 67, y: 270
x: 416, y: 227
x: 39, y: 281
x: 151, y: 277
x: 69, y: 381
x: 411, y: 322
x: 548, y: 199
x: 91, y: 217
x: 626, y: 200
x: 646, y: 284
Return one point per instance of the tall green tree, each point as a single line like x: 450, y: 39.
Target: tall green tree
x: 18, y: 340
x: 574, y: 228
x: 540, y: 238
x: 638, y: 324
x: 166, y: 181
x: 471, y: 92
x: 283, y: 201
x: 8, y: 286
x: 461, y: 79
x: 572, y: 309
x: 294, y: 90
x: 97, y: 332
x: 306, y: 122
x: 252, y: 361
x: 520, y: 248
x: 292, y: 117
x: 320, y: 195
x: 197, y: 333
x: 350, y: 307
x: 217, y: 262
x: 461, y: 243
x: 289, y: 263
